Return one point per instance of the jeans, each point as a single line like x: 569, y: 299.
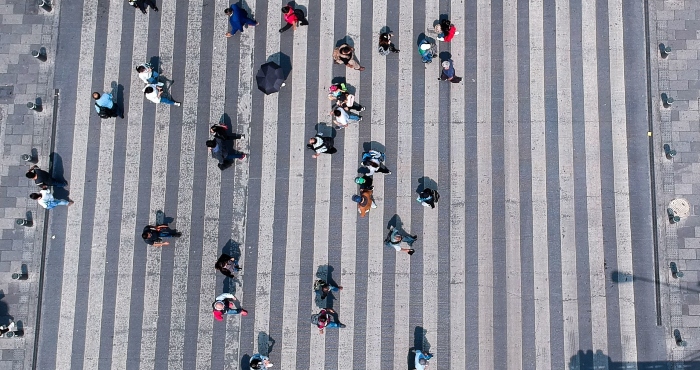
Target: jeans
x: 166, y: 101
x: 154, y: 78
x: 332, y: 324
x: 233, y: 311
x: 56, y: 202
x: 353, y: 117
x: 235, y: 155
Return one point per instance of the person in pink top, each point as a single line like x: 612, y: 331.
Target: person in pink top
x: 293, y: 17
x: 225, y: 305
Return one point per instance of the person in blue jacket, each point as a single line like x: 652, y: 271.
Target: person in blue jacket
x: 238, y: 18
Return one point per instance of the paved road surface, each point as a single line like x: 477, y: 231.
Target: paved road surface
x: 540, y: 156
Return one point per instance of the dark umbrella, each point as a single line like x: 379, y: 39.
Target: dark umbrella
x: 270, y: 78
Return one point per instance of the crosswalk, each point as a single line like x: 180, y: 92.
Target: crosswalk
x: 513, y: 269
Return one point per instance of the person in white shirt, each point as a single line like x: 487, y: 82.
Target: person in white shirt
x: 342, y: 118
x: 154, y: 93
x: 46, y: 199
x: 148, y: 75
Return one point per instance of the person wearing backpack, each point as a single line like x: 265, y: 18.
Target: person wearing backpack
x: 373, y: 161
x: 322, y: 287
x: 225, y: 305
x: 385, y: 44
x: 395, y: 238
x: 320, y: 144
x: 105, y: 105
x: 324, y: 320
x: 428, y: 197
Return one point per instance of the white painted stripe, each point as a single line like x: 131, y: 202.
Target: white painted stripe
x: 267, y: 186
x: 211, y: 244
x: 431, y: 161
x: 84, y: 106
x: 149, y: 327
x: 458, y: 155
x: 484, y: 187
x: 511, y: 151
x: 102, y: 206
x: 122, y: 314
x: 567, y: 230
x: 377, y: 227
x: 240, y: 179
x: 298, y: 157
x: 623, y: 229
x: 540, y: 247
x: 405, y: 185
x: 599, y: 331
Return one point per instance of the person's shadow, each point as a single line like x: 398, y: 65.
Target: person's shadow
x: 426, y: 182
x: 56, y: 171
x: 118, y: 93
x: 265, y: 343
x: 373, y: 145
x: 324, y: 130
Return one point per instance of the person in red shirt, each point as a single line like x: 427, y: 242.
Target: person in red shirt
x: 293, y: 17
x: 325, y: 320
x: 448, y: 31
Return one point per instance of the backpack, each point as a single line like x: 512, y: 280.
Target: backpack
x: 318, y: 285
x: 103, y: 112
x: 373, y: 154
x: 436, y: 196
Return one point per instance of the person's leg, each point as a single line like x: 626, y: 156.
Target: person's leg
x: 353, y: 117
x: 249, y: 21
x: 286, y: 27
x: 354, y: 64
x: 233, y: 311
x: 152, y: 4
x: 166, y: 101
x: 393, y: 48
x: 332, y: 324
x: 235, y: 155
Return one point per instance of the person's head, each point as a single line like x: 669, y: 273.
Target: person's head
x: 369, y: 163
x: 228, y: 11
x: 95, y: 95
x: 313, y: 141
x: 337, y: 112
x: 30, y: 174
x: 360, y: 180
x: 423, y: 361
x: 140, y: 69
x: 146, y: 235
x: 286, y: 9
x: 255, y: 363
x: 35, y: 196
x: 218, y: 305
x: 322, y: 318
x: 148, y: 90
x: 446, y: 65
x: 211, y: 143
x: 345, y: 50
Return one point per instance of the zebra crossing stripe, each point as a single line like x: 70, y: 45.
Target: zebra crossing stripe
x: 404, y: 181
x: 102, y: 208
x: 122, y: 314
x: 299, y: 158
x: 83, y: 106
x: 599, y: 332
x: 621, y: 183
x: 458, y: 340
x: 540, y: 250
x: 566, y: 184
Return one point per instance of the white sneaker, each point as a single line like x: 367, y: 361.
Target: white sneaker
x: 160, y: 84
x: 456, y: 33
x: 177, y: 104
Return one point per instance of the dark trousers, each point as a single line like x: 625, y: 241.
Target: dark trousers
x: 143, y: 4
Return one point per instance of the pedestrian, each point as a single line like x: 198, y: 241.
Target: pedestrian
x: 385, y: 44
x: 427, y: 50
x: 421, y: 359
x: 365, y: 182
x: 322, y: 287
x: 428, y: 197
x: 364, y: 201
x: 238, y: 18
x: 395, y: 237
x: 345, y: 54
x: 105, y: 105
x: 147, y: 74
x: 43, y: 178
x: 448, y: 72
x: 343, y: 118
x: 347, y: 102
x: 446, y: 30
x: 337, y: 90
x: 259, y: 361
x: 227, y: 265
x: 373, y: 161
x: 293, y: 17
x: 219, y: 151
x: 154, y: 93
x: 324, y: 319
x: 225, y: 305
x: 320, y: 144
x: 46, y: 199
x: 153, y: 235
x: 143, y: 5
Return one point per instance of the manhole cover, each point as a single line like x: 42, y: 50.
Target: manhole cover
x: 680, y: 206
x: 6, y: 94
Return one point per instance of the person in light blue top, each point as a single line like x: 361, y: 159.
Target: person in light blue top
x: 238, y: 18
x: 421, y: 359
x: 105, y: 105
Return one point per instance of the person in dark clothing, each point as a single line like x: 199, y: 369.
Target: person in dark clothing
x: 428, y: 197
x: 448, y: 72
x: 225, y: 305
x: 385, y: 44
x: 220, y: 152
x: 227, y: 265
x: 221, y: 131
x: 293, y: 17
x: 323, y: 287
x: 143, y: 5
x: 153, y: 235
x: 320, y: 144
x: 238, y: 18
x: 365, y: 182
x: 43, y: 178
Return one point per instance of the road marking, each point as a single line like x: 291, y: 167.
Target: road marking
x: 83, y: 107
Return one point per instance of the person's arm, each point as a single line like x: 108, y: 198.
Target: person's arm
x: 160, y: 243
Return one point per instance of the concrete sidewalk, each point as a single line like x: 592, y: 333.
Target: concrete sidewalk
x: 23, y: 78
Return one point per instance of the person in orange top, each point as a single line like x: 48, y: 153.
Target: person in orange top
x: 364, y: 201
x: 293, y: 17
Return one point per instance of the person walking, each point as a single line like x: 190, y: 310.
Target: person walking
x: 385, y: 45
x: 238, y: 18
x: 43, y: 178
x: 219, y: 151
x: 324, y: 320
x: 46, y: 199
x: 148, y: 75
x: 259, y: 361
x: 446, y: 30
x: 293, y: 17
x: 421, y: 359
x: 323, y: 288
x: 448, y: 72
x: 225, y: 304
x: 320, y: 145
x: 365, y: 182
x: 143, y: 5
x: 227, y: 265
x: 373, y: 161
x: 105, y: 105
x: 364, y: 201
x: 345, y: 54
x: 153, y: 235
x: 428, y: 197
x: 395, y: 238
x: 154, y: 93
x: 343, y: 118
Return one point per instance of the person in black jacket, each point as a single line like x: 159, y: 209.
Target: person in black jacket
x: 220, y: 152
x: 227, y: 265
x: 42, y: 178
